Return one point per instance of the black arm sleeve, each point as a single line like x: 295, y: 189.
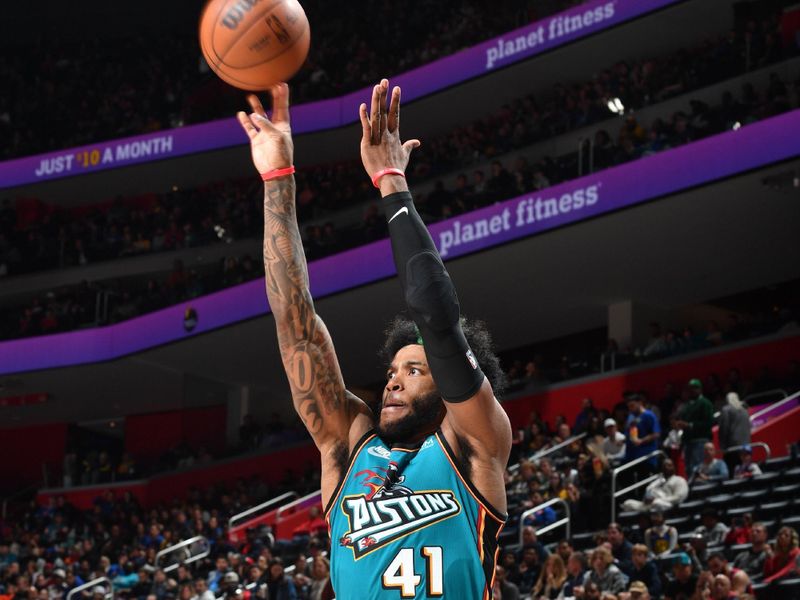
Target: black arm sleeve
x: 432, y: 301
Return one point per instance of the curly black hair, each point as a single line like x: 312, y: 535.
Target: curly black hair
x: 402, y: 331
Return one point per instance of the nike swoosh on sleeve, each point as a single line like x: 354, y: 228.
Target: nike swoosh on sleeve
x: 402, y: 210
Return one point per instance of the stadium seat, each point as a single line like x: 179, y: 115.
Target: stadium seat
x: 582, y: 541
x: 755, y: 496
x: 761, y: 590
x: 792, y: 521
x: 787, y: 492
x: 771, y: 527
x: 788, y: 589
x: 679, y: 522
x: 738, y: 511
x: 770, y: 478
x: 735, y: 485
x: 773, y: 510
x: 701, y: 490
x: 690, y: 507
x: 788, y: 476
x: 720, y: 501
x: 777, y: 464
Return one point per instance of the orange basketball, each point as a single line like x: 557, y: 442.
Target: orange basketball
x: 254, y: 44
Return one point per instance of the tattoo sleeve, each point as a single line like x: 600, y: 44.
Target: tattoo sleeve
x: 309, y: 358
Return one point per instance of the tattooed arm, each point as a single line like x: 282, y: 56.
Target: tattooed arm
x: 335, y: 418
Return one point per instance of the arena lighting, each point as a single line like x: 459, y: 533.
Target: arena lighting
x: 615, y: 106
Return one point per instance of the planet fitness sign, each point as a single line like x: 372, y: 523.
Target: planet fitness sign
x: 523, y: 43
x: 708, y: 160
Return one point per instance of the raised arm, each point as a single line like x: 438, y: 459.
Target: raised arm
x: 474, y: 416
x: 334, y: 417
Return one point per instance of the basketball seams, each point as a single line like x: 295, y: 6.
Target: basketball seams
x: 235, y: 81
x: 256, y: 21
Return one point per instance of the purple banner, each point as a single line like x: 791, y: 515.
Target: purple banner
x: 565, y: 27
x: 773, y: 411
x: 714, y: 158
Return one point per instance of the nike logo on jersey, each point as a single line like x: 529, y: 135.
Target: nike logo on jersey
x: 380, y: 452
x: 399, y: 212
x: 379, y: 521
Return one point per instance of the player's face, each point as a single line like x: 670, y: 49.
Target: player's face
x: 411, y: 404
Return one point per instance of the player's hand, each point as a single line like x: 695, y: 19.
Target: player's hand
x: 380, y: 140
x: 270, y: 140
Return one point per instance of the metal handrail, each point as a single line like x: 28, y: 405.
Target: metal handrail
x: 763, y: 445
x: 295, y: 503
x: 615, y: 494
x: 260, y: 507
x: 190, y: 558
x: 547, y: 451
x: 770, y: 407
x: 563, y: 521
x: 90, y: 584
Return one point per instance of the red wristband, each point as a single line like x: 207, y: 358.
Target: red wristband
x: 277, y: 173
x: 376, y: 178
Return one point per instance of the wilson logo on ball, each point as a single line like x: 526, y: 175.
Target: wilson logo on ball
x: 235, y: 15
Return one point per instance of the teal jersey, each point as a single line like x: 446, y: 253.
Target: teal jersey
x: 405, y: 523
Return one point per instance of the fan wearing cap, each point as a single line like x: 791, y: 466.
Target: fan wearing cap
x: 684, y: 581
x: 746, y: 467
x: 614, y: 442
x: 637, y: 591
x: 695, y: 418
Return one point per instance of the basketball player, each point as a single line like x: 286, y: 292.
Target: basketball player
x: 414, y: 495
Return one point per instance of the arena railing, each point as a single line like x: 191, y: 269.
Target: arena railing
x: 767, y: 394
x: 763, y: 445
x: 647, y: 480
x: 548, y: 451
x: 562, y: 522
x: 298, y: 502
x: 107, y: 584
x: 264, y: 505
x: 187, y: 546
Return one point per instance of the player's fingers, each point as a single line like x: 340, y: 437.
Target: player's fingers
x: 262, y: 122
x: 256, y: 105
x: 384, y: 88
x: 394, y: 110
x: 410, y: 145
x: 375, y: 116
x: 365, y: 128
x: 247, y: 124
x: 280, y: 103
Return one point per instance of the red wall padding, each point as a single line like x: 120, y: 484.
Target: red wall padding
x: 150, y: 435
x: 25, y: 449
x: 780, y: 432
x: 607, y: 391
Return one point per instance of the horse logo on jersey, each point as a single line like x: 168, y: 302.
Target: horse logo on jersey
x: 390, y: 510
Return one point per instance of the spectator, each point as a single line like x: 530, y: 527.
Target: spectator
x: 576, y: 573
x: 644, y: 570
x: 721, y: 588
x: 711, y: 468
x: 508, y: 590
x: 695, y: 419
x: 543, y: 516
x: 753, y: 559
x: 642, y: 432
x: 614, y: 442
x: 661, y: 539
x: 734, y: 427
x: 279, y: 586
x: 746, y: 467
x: 604, y: 573
x: 588, y: 412
x: 664, y: 493
x: 201, y: 591
x: 321, y: 588
x: 712, y: 530
x: 529, y: 570
x: 741, y: 530
x: 621, y: 548
x: 682, y: 585
x: 784, y: 555
x: 638, y: 590
x: 551, y: 579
